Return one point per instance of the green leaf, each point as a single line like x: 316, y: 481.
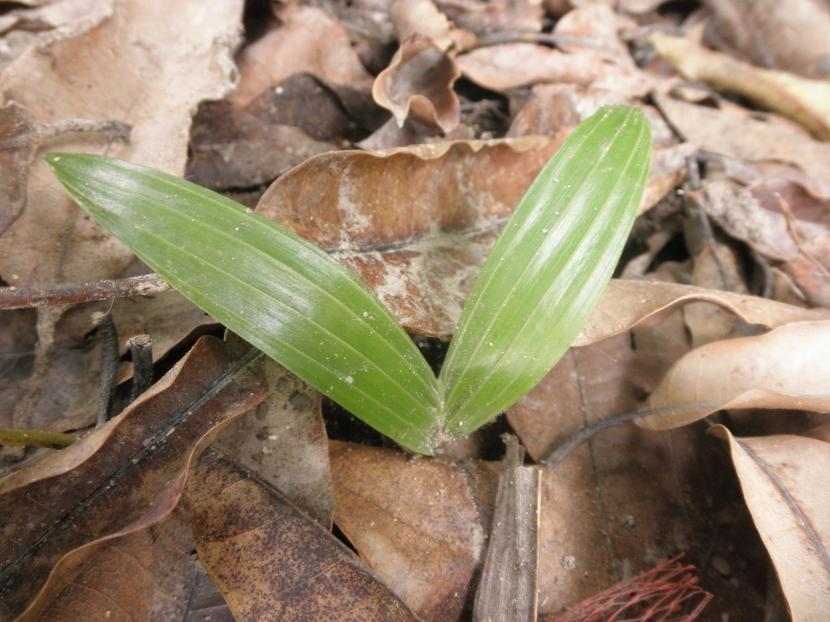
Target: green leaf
x: 279, y: 292
x: 548, y: 269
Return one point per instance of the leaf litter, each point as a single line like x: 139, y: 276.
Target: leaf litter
x: 399, y: 137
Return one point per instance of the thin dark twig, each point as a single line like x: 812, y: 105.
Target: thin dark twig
x: 586, y: 433
x: 73, y: 293
x: 712, y: 243
x: 109, y: 363
x: 141, y: 352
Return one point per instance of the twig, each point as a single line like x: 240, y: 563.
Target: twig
x: 141, y: 352
x: 585, y: 434
x: 109, y: 363
x: 72, y: 293
x: 114, y: 129
x: 19, y: 437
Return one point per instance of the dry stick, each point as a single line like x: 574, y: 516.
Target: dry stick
x: 522, y: 36
x: 73, y: 293
x: 109, y: 363
x: 141, y: 352
x: 19, y: 437
x: 508, y: 586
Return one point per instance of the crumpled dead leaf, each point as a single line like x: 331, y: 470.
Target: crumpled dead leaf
x: 420, y: 524
x: 418, y: 83
x: 18, y: 142
x: 803, y: 100
x: 781, y: 34
x: 780, y: 369
x: 742, y: 137
x: 124, y: 477
x: 271, y: 561
x: 782, y: 478
x: 422, y: 17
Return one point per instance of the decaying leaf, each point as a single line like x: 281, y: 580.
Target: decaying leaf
x: 421, y: 525
x: 422, y: 17
x: 485, y: 18
x: 418, y: 83
x: 805, y: 101
x: 782, y: 478
x: 284, y: 443
x: 781, y: 34
x: 121, y: 478
x: 739, y: 136
x: 779, y: 369
x: 18, y: 142
x: 271, y: 561
x: 144, y: 574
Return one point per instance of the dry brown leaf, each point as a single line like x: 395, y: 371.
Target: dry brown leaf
x: 782, y: 478
x: 418, y: 83
x: 510, y: 65
x: 781, y: 34
x: 420, y: 524
x: 308, y: 40
x: 783, y: 368
x: 121, y: 478
x: 805, y: 101
x: 595, y: 25
x: 740, y: 136
x: 271, y: 561
x: 284, y: 443
x: 146, y: 574
x: 484, y: 18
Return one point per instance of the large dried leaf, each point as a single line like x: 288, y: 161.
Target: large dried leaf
x: 419, y: 242
x: 783, y: 482
x: 781, y: 34
x: 269, y: 286
x: 780, y: 369
x: 122, y: 478
x: 740, y: 136
x: 271, y: 561
x: 420, y: 525
x: 18, y: 142
x: 804, y: 101
x: 548, y: 269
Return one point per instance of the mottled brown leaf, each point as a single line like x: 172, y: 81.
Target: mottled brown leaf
x: 271, y: 561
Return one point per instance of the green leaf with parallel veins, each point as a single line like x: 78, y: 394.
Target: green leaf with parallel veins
x: 548, y: 269
x: 279, y: 292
